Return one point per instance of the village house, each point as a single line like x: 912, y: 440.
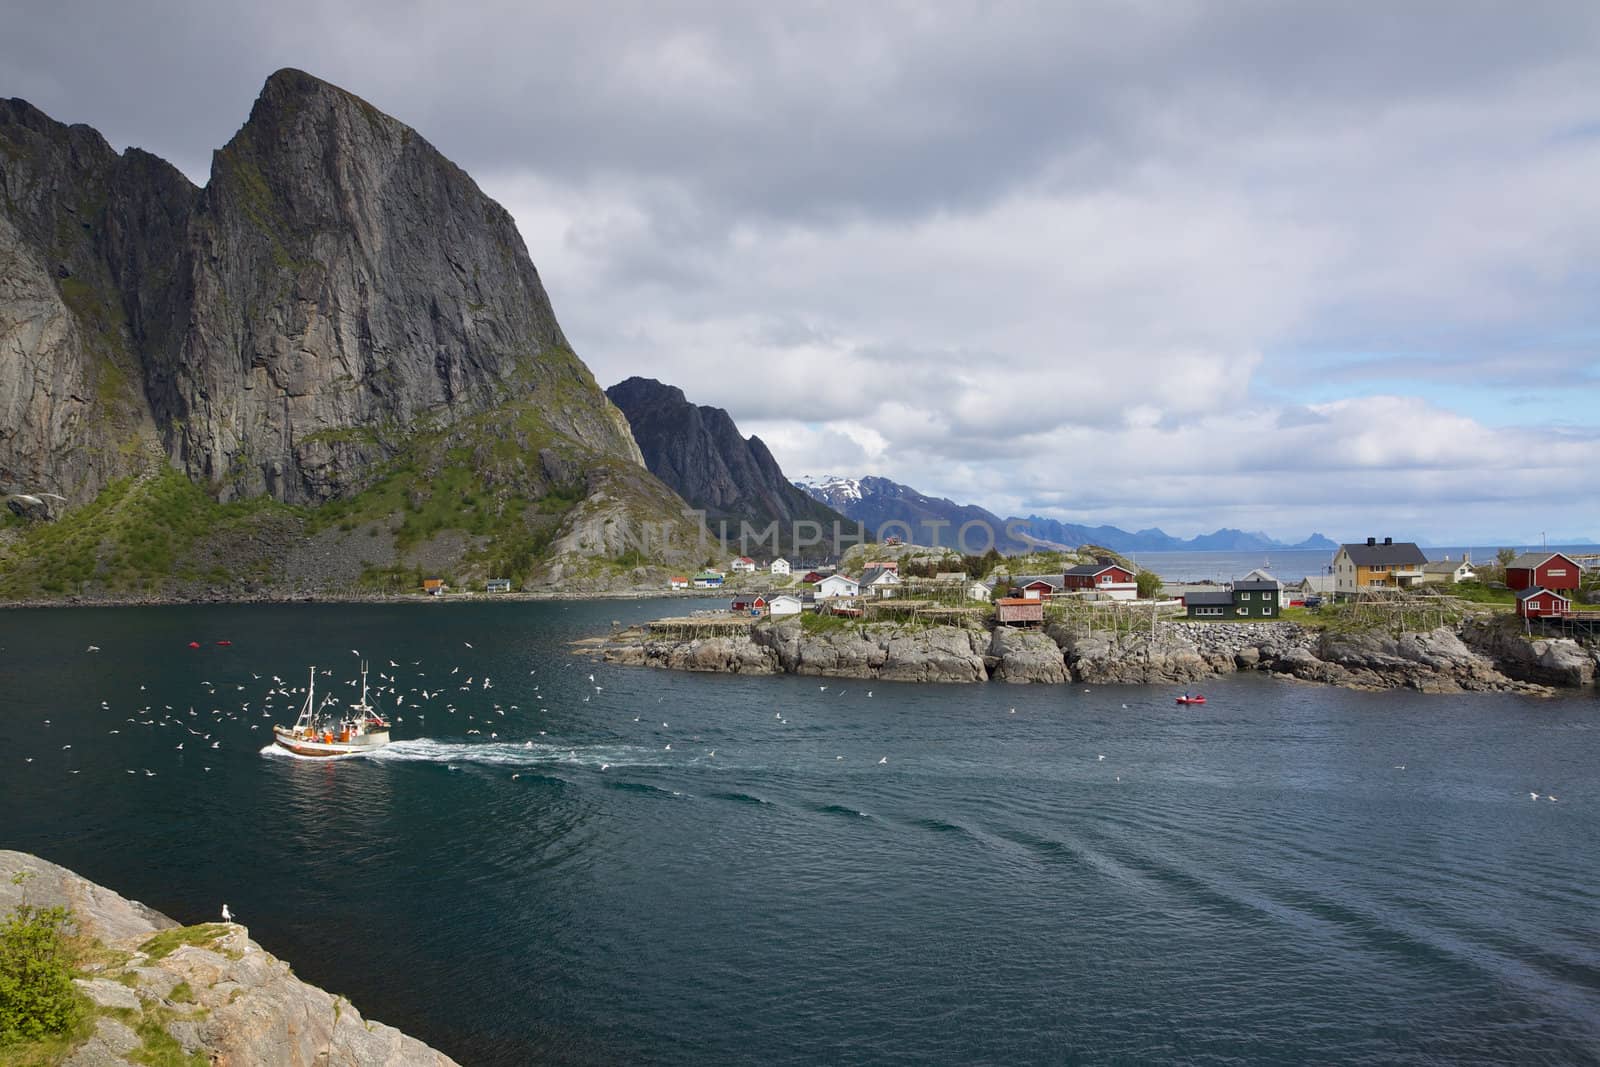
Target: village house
x: 1208, y: 604
x: 1359, y: 568
x: 812, y: 577
x: 1039, y: 587
x: 746, y: 605
x: 950, y: 577
x: 1247, y: 598
x: 779, y: 567
x: 1105, y: 575
x: 497, y: 585
x: 1537, y: 603
x: 708, y: 580
x: 880, y: 582
x: 1019, y: 611
x: 1448, y: 572
x: 1312, y: 585
x: 434, y: 586
x: 977, y: 590
x: 838, y: 585
x: 678, y: 582
x: 784, y: 604
x: 743, y: 565
x: 1257, y: 598
x: 1542, y: 570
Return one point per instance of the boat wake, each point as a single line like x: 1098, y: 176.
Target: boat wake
x: 513, y: 754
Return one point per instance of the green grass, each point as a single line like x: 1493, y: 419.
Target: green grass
x: 129, y: 538
x: 167, y: 941
x: 813, y: 623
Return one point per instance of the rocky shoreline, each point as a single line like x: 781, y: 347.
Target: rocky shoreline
x: 213, y: 993
x: 1480, y: 655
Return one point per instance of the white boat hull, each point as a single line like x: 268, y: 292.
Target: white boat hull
x: 316, y: 746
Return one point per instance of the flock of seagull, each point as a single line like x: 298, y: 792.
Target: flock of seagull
x: 400, y: 690
x: 438, y: 694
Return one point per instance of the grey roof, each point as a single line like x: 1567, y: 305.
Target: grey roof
x: 872, y: 574
x: 1536, y: 591
x: 1052, y: 580
x: 1365, y: 555
x: 1260, y: 574
x: 1089, y: 570
x: 1317, y: 583
x: 1209, y: 600
x: 1530, y: 560
x: 1274, y: 585
x: 1445, y: 566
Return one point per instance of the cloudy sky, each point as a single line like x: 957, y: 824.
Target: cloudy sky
x: 1282, y: 267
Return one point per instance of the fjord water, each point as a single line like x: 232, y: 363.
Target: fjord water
x: 1035, y: 875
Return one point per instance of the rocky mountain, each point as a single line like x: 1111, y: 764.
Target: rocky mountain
x: 338, y: 304
x: 880, y: 502
x: 699, y: 452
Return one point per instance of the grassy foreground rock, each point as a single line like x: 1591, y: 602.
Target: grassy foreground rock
x: 144, y: 990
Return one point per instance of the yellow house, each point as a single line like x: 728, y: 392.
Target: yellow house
x: 1361, y: 568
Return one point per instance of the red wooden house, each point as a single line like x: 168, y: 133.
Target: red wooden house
x: 1542, y: 570
x: 1092, y: 575
x: 1536, y: 603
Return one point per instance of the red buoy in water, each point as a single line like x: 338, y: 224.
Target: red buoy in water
x: 224, y: 643
x: 194, y: 644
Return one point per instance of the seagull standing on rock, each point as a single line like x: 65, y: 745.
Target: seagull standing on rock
x: 227, y: 916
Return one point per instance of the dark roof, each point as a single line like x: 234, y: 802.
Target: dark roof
x: 1089, y: 570
x: 1209, y: 600
x: 1052, y: 580
x: 872, y: 574
x: 1365, y: 555
x: 1529, y: 560
x: 1536, y: 591
x: 1252, y: 586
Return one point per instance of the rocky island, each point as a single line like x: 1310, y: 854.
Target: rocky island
x: 153, y: 991
x: 1478, y: 654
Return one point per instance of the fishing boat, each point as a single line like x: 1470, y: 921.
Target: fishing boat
x: 360, y: 730
x: 1188, y: 699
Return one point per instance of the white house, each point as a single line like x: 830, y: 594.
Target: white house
x: 679, y: 582
x: 784, y: 604
x: 1448, y: 572
x: 780, y: 566
x: 880, y: 582
x: 835, y: 585
x: 743, y: 565
x: 976, y: 590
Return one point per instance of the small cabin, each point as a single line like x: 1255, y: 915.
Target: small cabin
x: 1019, y: 611
x: 433, y: 586
x: 1539, y: 603
x: 784, y: 604
x: 497, y: 585
x: 678, y: 582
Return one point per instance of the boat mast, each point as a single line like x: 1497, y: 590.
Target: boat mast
x: 304, y: 721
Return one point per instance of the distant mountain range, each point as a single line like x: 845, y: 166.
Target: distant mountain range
x: 879, y: 502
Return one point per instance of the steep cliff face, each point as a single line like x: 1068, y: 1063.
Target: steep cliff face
x: 699, y: 452
x: 72, y: 409
x: 335, y: 287
x: 348, y: 275
x: 339, y: 306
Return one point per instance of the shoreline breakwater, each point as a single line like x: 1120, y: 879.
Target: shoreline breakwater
x: 1477, y: 655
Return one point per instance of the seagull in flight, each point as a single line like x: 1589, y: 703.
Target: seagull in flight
x: 883, y: 761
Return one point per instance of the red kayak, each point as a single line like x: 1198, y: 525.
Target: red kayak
x: 1191, y: 700
x: 194, y: 644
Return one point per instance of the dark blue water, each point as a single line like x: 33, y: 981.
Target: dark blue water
x: 1252, y: 881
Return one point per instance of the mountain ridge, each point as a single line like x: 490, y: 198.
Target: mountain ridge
x: 699, y: 452
x: 887, y: 502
